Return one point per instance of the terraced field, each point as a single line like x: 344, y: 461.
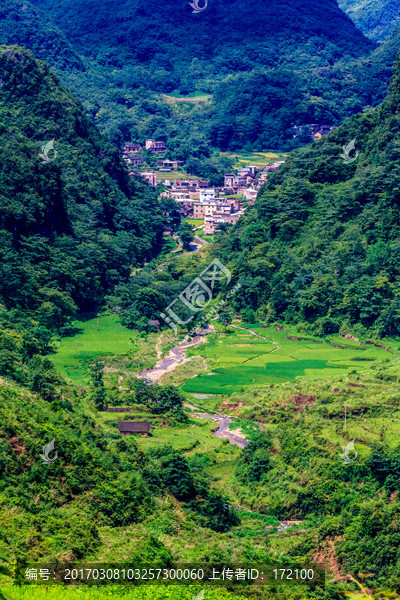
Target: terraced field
x: 240, y: 360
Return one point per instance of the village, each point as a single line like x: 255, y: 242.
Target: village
x: 195, y: 198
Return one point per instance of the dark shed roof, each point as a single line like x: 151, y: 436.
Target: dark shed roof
x: 134, y: 426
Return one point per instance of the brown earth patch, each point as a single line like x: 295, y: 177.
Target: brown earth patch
x: 301, y: 400
x: 348, y: 336
x: 355, y: 385
x: 326, y: 558
x: 18, y: 447
x: 231, y: 405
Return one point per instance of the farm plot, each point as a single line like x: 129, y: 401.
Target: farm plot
x: 242, y: 360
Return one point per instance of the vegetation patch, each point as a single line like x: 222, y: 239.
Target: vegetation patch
x: 242, y: 360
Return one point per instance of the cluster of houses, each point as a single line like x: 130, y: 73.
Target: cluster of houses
x: 133, y: 157
x: 219, y: 204
x: 150, y: 145
x: 311, y: 131
x: 216, y: 205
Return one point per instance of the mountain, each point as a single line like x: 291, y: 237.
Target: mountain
x: 320, y: 246
x: 248, y: 74
x: 376, y: 19
x: 167, y: 36
x: 72, y: 222
x: 255, y: 70
x: 24, y: 24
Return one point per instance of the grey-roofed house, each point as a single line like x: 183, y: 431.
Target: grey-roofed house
x: 130, y: 427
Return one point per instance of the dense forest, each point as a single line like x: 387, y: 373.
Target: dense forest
x: 71, y: 227
x: 321, y: 243
x: 376, y: 20
x: 252, y: 84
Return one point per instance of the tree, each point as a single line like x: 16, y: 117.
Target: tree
x: 99, y: 391
x: 186, y: 234
x: 214, y: 512
x: 178, y: 478
x: 225, y: 319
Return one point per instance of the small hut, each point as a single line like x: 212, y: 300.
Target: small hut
x: 129, y: 427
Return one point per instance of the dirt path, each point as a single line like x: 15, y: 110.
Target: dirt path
x: 158, y: 347
x: 175, y: 357
x: 259, y: 336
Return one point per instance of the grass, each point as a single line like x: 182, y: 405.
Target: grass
x: 74, y: 353
x: 122, y: 350
x: 194, y: 222
x: 258, y: 159
x: 172, y: 175
x: 239, y: 360
x: 192, y: 97
x: 154, y: 592
x: 191, y: 439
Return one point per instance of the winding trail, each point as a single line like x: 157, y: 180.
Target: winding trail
x: 259, y: 336
x: 176, y: 357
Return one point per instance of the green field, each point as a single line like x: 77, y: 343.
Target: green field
x: 192, y: 97
x: 240, y: 360
x: 258, y: 159
x: 190, y: 439
x: 74, y: 353
x: 194, y: 222
x: 172, y: 175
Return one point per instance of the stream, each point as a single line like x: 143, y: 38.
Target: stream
x: 175, y: 357
x: 223, y: 431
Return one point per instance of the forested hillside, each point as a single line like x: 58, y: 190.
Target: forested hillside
x: 24, y: 24
x: 376, y: 18
x: 72, y: 226
x: 72, y: 223
x: 253, y: 83
x: 321, y: 243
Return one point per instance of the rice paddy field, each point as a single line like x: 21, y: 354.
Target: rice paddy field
x: 93, y: 338
x: 240, y: 360
x: 258, y: 159
x: 122, y: 350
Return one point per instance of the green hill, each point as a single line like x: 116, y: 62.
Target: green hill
x: 78, y: 217
x: 264, y: 69
x: 257, y: 71
x: 72, y: 222
x: 376, y: 19
x: 131, y: 31
x: 320, y: 245
x: 26, y: 25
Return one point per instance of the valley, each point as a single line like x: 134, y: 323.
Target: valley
x: 200, y: 298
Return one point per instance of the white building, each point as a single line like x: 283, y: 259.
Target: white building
x: 207, y: 194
